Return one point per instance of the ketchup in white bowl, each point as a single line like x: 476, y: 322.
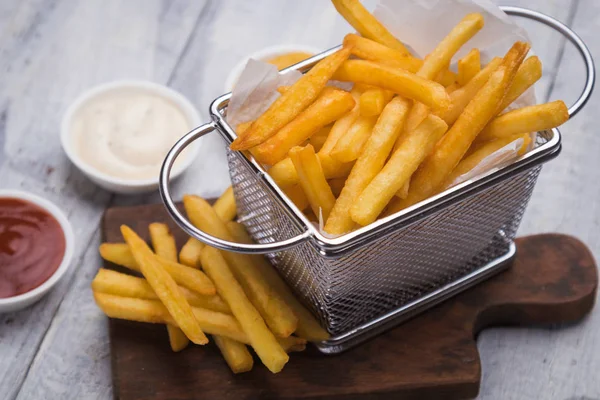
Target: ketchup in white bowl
x: 36, y: 246
x: 32, y: 246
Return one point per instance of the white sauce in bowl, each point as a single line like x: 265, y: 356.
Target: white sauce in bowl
x: 126, y: 132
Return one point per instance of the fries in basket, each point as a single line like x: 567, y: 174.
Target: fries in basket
x: 407, y: 129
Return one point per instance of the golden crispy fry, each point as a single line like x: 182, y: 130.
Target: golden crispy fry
x: 328, y: 107
x: 317, y: 140
x: 349, y: 147
x: 225, y: 205
x: 366, y: 24
x: 372, y: 101
x: 441, y: 56
x: 417, y: 114
x: 236, y: 354
x: 277, y: 314
x: 312, y: 180
x: 370, y: 50
x: 153, y: 311
x: 468, y: 67
x: 399, y: 81
x: 285, y: 174
x: 403, y: 192
x: 471, y: 161
x: 528, y: 74
x: 164, y: 286
x: 292, y: 344
x: 118, y: 284
x: 261, y: 338
x: 414, y: 147
x: 243, y: 127
x: 191, y: 278
x: 177, y: 338
x: 288, y: 59
x: 336, y: 185
x: 462, y: 96
x: 308, y: 327
x: 190, y: 252
x: 299, y: 96
x: 162, y: 241
x: 469, y: 124
x: 296, y: 194
x: 378, y: 147
x: 341, y: 126
x: 534, y: 118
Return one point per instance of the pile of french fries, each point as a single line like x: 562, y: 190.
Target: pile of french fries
x: 240, y: 300
x: 405, y: 131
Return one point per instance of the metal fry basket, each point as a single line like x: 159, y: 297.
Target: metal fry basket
x: 366, y: 281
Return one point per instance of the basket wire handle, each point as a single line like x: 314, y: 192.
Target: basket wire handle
x: 188, y: 227
x: 573, y: 38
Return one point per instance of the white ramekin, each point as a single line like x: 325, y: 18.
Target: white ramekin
x: 264, y: 55
x: 111, y: 183
x: 26, y: 299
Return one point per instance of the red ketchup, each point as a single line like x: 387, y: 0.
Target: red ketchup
x: 32, y: 246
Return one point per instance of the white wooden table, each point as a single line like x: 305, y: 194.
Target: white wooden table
x: 52, y: 50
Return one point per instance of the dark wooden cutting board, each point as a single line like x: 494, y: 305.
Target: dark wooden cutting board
x: 433, y: 356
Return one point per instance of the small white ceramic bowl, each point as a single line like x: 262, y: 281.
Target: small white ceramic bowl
x: 26, y: 299
x: 263, y: 55
x: 128, y: 186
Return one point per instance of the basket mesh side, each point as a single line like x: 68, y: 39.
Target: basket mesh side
x: 393, y: 270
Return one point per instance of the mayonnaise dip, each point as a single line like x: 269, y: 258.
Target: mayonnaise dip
x: 126, y: 132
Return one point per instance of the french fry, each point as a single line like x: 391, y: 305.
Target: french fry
x: 191, y: 278
x: 118, y: 284
x: 164, y: 286
x: 462, y: 96
x: 366, y: 24
x: 414, y: 147
x: 243, y: 127
x: 452, y: 88
x: 296, y: 194
x: 190, y: 252
x: 349, y: 147
x: 369, y: 164
x: 261, y: 338
x: 236, y: 354
x: 440, y: 58
x: 528, y: 74
x: 471, y: 161
x: 312, y: 180
x: 329, y: 106
x: 308, y: 327
x: 164, y: 246
x: 277, y: 314
x: 468, y: 67
x: 154, y: 312
x: 299, y: 96
x: 162, y: 241
x: 177, y: 339
x: 370, y: 50
x: 292, y: 344
x: 225, y: 205
x: 469, y: 124
x: 528, y: 119
x: 288, y: 59
x: 337, y: 185
x: 317, y: 140
x: 372, y: 101
x: 399, y: 81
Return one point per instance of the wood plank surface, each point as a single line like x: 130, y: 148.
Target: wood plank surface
x: 52, y: 50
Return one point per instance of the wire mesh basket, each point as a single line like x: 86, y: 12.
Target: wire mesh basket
x: 361, y: 283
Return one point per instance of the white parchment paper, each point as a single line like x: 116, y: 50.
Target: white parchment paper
x: 421, y: 25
